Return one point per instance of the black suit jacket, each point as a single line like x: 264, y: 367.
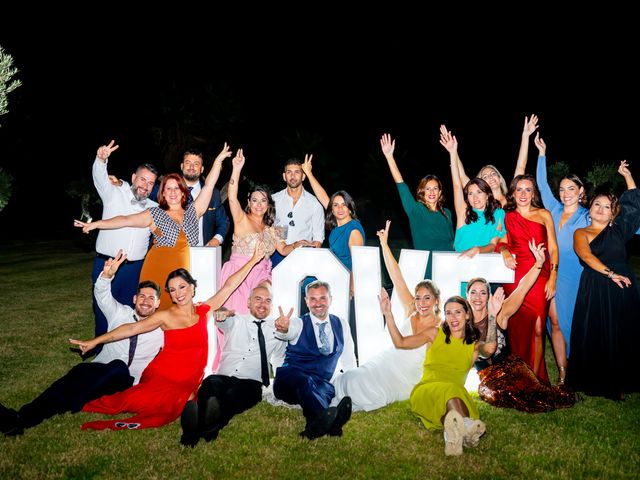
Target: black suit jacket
x: 215, y: 220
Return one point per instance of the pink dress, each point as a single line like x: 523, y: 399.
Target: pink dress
x: 241, y: 251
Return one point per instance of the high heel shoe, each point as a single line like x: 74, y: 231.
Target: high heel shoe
x: 562, y: 374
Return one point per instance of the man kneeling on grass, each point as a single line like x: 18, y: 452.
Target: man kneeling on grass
x: 243, y: 370
x: 117, y: 367
x: 315, y: 344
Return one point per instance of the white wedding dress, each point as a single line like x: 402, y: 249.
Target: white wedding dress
x: 386, y: 378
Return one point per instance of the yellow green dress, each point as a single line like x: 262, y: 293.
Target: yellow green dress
x: 446, y: 366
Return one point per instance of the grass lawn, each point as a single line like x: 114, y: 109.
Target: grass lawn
x: 45, y: 296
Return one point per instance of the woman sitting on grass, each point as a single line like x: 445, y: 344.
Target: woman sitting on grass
x: 440, y: 398
x: 391, y: 374
x: 173, y: 377
x: 505, y: 379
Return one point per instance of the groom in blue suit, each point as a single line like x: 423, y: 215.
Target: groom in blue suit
x: 316, y: 342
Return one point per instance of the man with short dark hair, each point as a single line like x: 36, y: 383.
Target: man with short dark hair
x: 298, y: 212
x: 316, y: 342
x: 214, y: 223
x: 121, y: 199
x: 117, y: 367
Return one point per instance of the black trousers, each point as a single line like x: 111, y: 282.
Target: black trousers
x: 83, y: 383
x: 234, y: 394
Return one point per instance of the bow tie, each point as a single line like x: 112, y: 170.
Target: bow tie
x: 142, y: 203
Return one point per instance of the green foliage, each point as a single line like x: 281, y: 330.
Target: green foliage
x: 604, y: 176
x: 86, y: 192
x: 7, y: 85
x: 6, y: 181
x: 555, y: 173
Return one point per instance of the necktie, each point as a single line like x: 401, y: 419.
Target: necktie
x: 263, y: 354
x: 142, y: 203
x: 190, y: 196
x: 324, y: 340
x: 133, y: 341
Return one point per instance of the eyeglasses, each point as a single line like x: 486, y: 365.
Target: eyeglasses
x: 291, y: 223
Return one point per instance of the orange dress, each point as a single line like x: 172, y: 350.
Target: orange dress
x: 170, y: 249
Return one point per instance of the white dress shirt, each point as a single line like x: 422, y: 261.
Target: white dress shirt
x: 240, y: 356
x: 117, y: 201
x: 307, y: 215
x: 149, y: 344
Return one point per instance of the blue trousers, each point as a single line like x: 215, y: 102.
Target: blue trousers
x: 312, y: 393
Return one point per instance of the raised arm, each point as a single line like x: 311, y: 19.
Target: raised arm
x: 400, y: 341
x: 515, y: 300
x: 201, y: 203
x: 488, y: 347
x: 216, y: 301
x: 548, y: 198
x: 550, y: 286
x: 462, y: 175
x: 139, y: 220
x: 318, y: 191
x: 388, y: 146
x: 99, y: 170
x: 123, y: 331
x: 102, y: 290
x: 234, y: 204
x: 530, y: 126
x: 399, y: 285
x: 623, y: 170
x: 583, y: 250
x: 450, y: 143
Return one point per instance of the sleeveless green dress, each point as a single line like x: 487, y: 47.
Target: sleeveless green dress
x: 446, y: 366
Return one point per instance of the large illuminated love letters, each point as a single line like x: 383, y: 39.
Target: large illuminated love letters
x: 449, y: 270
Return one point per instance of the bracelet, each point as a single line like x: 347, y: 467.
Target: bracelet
x: 554, y: 266
x: 608, y: 272
x: 611, y: 274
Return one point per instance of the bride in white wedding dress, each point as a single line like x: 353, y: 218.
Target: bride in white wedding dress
x: 391, y: 375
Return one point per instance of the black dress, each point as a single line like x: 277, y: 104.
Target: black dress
x: 606, y: 319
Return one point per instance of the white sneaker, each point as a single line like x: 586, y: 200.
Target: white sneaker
x: 473, y: 430
x: 453, y: 433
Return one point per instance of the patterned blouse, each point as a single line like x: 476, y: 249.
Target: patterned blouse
x: 167, y: 231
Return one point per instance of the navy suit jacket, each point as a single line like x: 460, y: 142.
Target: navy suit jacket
x: 215, y: 220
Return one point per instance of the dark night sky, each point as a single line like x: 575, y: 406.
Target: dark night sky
x: 343, y: 86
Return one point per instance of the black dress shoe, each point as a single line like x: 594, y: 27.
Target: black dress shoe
x: 210, y: 419
x: 10, y: 422
x: 343, y: 415
x: 210, y: 413
x: 189, y: 423
x: 321, y: 425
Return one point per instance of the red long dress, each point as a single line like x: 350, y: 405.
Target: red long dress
x: 166, y: 384
x: 523, y: 323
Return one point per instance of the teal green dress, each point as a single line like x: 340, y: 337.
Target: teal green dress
x: 480, y: 233
x: 431, y: 231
